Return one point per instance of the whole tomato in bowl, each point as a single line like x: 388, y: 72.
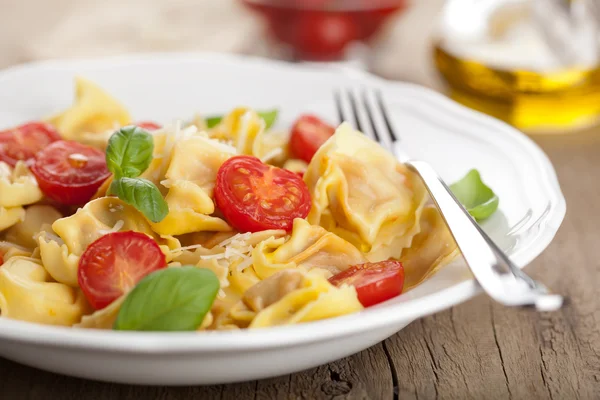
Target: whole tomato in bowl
x: 321, y: 30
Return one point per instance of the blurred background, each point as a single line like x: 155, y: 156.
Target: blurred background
x: 532, y: 63
x: 41, y: 29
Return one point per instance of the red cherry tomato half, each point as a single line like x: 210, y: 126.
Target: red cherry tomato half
x: 374, y: 282
x: 24, y: 141
x: 112, y: 265
x: 308, y: 134
x: 149, y: 125
x: 254, y: 196
x: 70, y: 172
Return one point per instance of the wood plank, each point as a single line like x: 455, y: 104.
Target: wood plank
x: 19, y: 381
x: 517, y: 341
x: 364, y: 376
x: 412, y: 363
x: 240, y: 391
x: 569, y: 341
x: 459, y: 356
x: 275, y: 388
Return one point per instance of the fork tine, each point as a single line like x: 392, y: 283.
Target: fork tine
x: 384, y: 113
x: 377, y: 120
x: 338, y: 105
x: 361, y: 116
x: 354, y: 109
x: 344, y: 107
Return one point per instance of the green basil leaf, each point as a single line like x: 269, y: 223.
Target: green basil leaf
x: 211, y: 122
x: 129, y: 152
x: 268, y: 116
x: 143, y: 195
x: 170, y: 299
x: 479, y: 200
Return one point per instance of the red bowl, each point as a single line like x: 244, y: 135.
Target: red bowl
x: 321, y: 29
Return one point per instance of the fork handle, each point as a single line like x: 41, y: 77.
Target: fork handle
x: 486, y: 261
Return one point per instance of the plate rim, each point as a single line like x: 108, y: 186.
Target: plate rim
x: 296, y: 335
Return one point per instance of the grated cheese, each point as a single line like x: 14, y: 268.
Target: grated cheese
x: 239, y: 236
x: 236, y: 250
x: 118, y: 207
x: 192, y: 247
x: 189, y: 131
x: 118, y: 225
x: 49, y: 235
x: 230, y: 252
x: 271, y: 155
x: 244, y: 264
x: 166, y: 183
x: 225, y: 146
x: 218, y: 256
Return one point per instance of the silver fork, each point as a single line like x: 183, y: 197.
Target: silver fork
x: 499, y: 277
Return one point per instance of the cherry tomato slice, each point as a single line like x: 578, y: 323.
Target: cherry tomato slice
x: 24, y: 141
x: 112, y: 265
x: 374, y: 282
x: 70, y: 172
x: 254, y: 196
x: 149, y: 125
x: 308, y: 134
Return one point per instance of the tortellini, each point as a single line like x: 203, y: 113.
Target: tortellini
x: 432, y: 248
x: 104, y: 318
x: 295, y: 165
x: 190, y: 179
x: 309, y: 246
x: 36, y: 218
x: 225, y: 254
x: 94, y: 112
x: 240, y: 127
x: 18, y: 186
x: 10, y: 216
x: 60, y: 254
x: 28, y: 293
x: 10, y: 249
x: 245, y: 130
x: 363, y: 194
x: 164, y: 142
x: 271, y: 147
x: 290, y: 297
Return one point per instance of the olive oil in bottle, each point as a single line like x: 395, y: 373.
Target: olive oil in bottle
x: 531, y: 63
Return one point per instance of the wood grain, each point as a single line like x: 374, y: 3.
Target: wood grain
x: 477, y: 350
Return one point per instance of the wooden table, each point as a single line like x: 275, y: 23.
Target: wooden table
x: 475, y: 350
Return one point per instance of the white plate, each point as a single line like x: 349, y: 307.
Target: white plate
x: 164, y: 87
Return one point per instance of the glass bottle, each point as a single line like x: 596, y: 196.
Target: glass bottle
x: 532, y: 63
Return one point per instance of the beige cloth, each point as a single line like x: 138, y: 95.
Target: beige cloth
x: 41, y: 29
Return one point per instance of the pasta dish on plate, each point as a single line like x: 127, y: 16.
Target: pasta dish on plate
x: 212, y: 223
